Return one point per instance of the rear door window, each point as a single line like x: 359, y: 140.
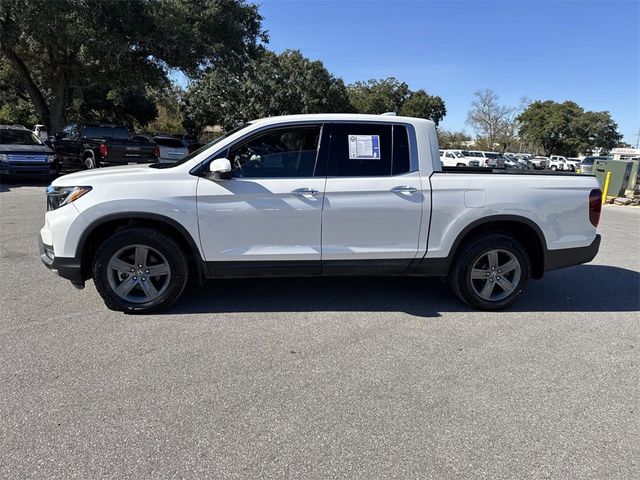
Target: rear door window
x: 368, y: 150
x: 101, y: 133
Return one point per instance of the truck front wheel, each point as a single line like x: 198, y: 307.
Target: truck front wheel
x: 139, y: 270
x: 490, y: 272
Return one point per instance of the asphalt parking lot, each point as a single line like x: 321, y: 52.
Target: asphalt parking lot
x: 320, y: 378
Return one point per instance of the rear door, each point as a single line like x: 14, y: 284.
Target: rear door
x: 271, y: 208
x: 373, y: 201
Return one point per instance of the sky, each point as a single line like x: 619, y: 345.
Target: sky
x: 585, y: 51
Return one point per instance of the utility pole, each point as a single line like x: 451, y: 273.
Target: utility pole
x: 637, y: 141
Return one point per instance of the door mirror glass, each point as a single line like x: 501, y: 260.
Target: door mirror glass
x: 220, y: 169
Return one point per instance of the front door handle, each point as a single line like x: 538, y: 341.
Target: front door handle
x: 404, y: 189
x: 302, y: 192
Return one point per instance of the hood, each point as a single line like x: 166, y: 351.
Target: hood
x: 25, y: 149
x: 101, y: 175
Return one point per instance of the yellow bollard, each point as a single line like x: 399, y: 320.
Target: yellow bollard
x: 606, y: 187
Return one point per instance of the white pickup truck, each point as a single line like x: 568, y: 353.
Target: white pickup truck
x: 326, y: 194
x: 455, y: 158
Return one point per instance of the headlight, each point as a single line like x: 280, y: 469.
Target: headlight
x: 51, y: 158
x: 60, y: 196
x: 3, y: 157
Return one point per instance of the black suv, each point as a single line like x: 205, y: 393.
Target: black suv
x: 22, y: 153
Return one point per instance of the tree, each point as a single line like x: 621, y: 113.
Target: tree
x: 271, y: 85
x: 595, y: 130
x: 448, y: 139
x: 566, y: 129
x: 15, y: 105
x: 488, y: 118
x: 421, y: 105
x: 378, y: 96
x: 391, y: 95
x: 169, y: 118
x: 62, y: 50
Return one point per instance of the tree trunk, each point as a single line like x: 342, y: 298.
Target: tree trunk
x: 39, y: 103
x: 57, y: 117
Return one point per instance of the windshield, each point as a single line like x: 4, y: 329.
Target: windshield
x: 458, y: 155
x: 10, y: 136
x: 491, y: 155
x: 201, y: 149
x: 588, y: 161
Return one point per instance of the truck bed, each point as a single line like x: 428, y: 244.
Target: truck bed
x: 502, y: 171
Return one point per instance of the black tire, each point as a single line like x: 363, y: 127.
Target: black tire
x: 471, y: 253
x: 89, y: 163
x: 165, y: 245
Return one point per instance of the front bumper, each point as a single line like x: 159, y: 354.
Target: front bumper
x: 568, y: 257
x: 25, y: 169
x: 68, y: 268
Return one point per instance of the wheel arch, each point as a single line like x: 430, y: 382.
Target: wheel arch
x: 101, y: 229
x: 522, y: 229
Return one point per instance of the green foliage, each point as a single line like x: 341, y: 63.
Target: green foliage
x: 378, y: 96
x: 169, y: 118
x: 271, y: 85
x: 448, y: 139
x: 65, y: 52
x: 15, y: 106
x: 390, y: 95
x: 421, y: 105
x: 566, y: 129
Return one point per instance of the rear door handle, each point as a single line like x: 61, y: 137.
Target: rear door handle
x: 404, y: 189
x: 302, y: 192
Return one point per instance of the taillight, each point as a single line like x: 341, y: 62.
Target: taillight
x: 595, y: 206
x: 104, y: 150
x: 156, y: 152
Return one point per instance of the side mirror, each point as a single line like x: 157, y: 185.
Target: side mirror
x: 220, y: 169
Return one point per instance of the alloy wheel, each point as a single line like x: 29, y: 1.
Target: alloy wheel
x: 138, y: 273
x: 495, y: 275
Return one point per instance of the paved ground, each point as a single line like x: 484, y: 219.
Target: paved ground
x: 320, y: 378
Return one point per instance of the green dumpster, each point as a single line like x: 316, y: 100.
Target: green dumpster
x: 620, y: 175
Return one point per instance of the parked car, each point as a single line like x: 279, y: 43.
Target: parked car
x: 490, y: 159
x: 539, y: 162
x: 22, y: 153
x: 573, y: 164
x: 171, y: 149
x: 586, y: 166
x: 93, y: 145
x: 556, y: 163
x: 192, y: 141
x: 455, y: 158
x: 324, y: 194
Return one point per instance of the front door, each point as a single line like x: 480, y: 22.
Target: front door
x: 271, y: 208
x: 373, y: 203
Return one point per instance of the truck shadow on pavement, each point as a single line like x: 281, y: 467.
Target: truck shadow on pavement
x: 585, y: 288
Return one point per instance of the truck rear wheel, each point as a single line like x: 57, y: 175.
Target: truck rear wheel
x: 490, y: 272
x: 89, y: 162
x: 139, y: 270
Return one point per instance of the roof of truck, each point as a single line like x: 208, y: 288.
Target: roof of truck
x: 355, y: 117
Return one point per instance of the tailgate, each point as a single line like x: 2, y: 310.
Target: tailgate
x: 125, y: 151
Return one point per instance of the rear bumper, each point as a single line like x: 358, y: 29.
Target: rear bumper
x: 68, y: 268
x: 115, y: 162
x: 568, y: 257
